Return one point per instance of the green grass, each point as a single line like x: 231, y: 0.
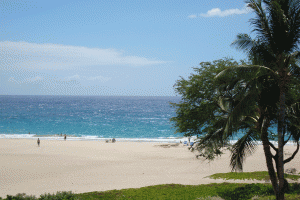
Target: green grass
x: 261, y: 175
x: 226, y: 191
x: 169, y: 191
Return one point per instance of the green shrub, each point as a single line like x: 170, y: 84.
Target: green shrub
x: 58, y: 196
x: 210, y: 198
x: 245, y: 192
x: 294, y: 188
x: 20, y: 196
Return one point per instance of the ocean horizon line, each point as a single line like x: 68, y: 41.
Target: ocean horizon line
x: 63, y: 95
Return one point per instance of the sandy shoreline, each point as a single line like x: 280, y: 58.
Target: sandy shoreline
x: 85, y: 166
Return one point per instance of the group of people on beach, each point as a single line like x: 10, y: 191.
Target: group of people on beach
x: 65, y: 138
x: 111, y: 140
x: 39, y: 141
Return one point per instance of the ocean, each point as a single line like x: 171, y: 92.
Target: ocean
x: 88, y: 118
x: 144, y: 119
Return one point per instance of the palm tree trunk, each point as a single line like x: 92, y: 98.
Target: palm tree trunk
x: 281, y: 133
x: 268, y: 155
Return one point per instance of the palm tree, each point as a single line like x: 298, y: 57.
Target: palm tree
x: 249, y: 96
x: 277, y: 25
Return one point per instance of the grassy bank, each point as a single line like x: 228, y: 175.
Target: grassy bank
x: 226, y: 191
x: 260, y: 175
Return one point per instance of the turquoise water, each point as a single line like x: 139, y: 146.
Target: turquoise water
x: 87, y: 117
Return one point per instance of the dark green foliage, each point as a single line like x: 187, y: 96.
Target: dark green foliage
x: 218, y: 102
x: 58, y: 196
x: 199, y: 98
x: 20, y: 196
x: 245, y: 191
x: 294, y: 188
x: 203, y: 113
x: 250, y: 190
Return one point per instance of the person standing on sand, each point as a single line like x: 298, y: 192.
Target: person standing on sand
x: 38, y: 141
x: 65, y: 138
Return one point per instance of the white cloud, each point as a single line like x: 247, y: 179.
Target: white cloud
x: 99, y: 78
x: 192, y: 16
x: 56, y: 56
x: 27, y: 80
x: 217, y: 12
x: 85, y: 78
x: 70, y: 78
x: 38, y: 78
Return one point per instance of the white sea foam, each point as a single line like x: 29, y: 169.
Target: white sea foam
x: 87, y: 138
x: 101, y: 138
x: 16, y: 136
x: 90, y: 137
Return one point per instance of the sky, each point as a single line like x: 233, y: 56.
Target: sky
x: 115, y: 47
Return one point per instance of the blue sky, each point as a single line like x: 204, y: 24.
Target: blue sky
x: 115, y: 47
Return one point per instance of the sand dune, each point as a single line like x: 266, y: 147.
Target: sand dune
x: 84, y: 166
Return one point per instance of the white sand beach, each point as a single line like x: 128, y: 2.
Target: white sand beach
x: 85, y: 166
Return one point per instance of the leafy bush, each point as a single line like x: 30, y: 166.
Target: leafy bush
x: 245, y: 192
x: 294, y: 188
x: 20, y: 196
x: 210, y: 198
x: 57, y: 196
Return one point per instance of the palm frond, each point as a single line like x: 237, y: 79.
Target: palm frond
x: 210, y: 144
x: 244, y: 147
x: 241, y: 110
x: 261, y: 23
x: 243, y: 42
x: 224, y: 103
x: 214, y: 133
x: 293, y: 117
x: 294, y: 23
x: 246, y: 72
x: 262, y: 54
x: 294, y: 64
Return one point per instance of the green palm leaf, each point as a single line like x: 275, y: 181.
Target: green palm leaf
x: 244, y: 147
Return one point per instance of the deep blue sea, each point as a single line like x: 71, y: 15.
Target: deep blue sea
x: 87, y: 117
